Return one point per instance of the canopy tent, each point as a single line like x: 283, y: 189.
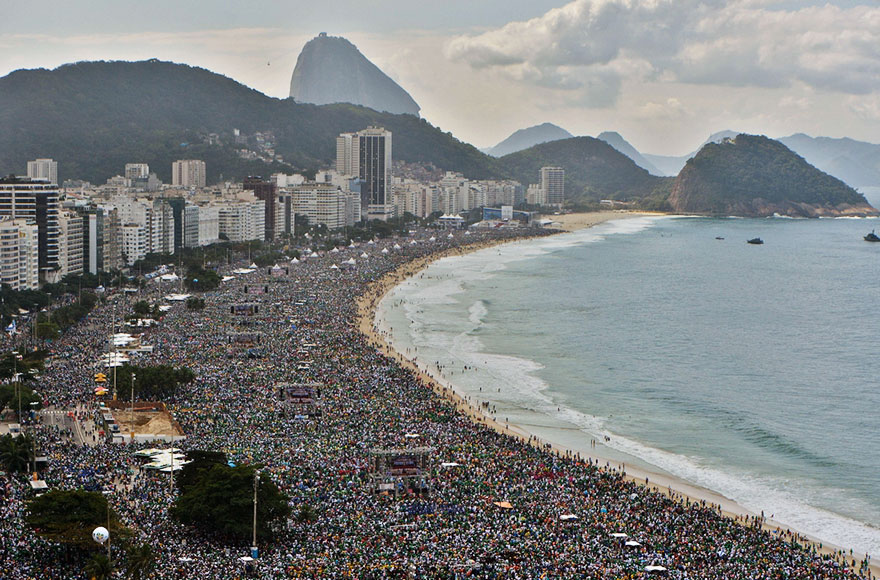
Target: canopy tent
x: 447, y: 464
x: 242, y: 271
x: 506, y: 505
x: 227, y: 278
x: 653, y: 568
x: 364, y: 255
x: 350, y: 262
x: 396, y: 246
x: 294, y: 261
x: 619, y: 535
x: 567, y: 517
x: 334, y: 251
x: 334, y: 267
x: 177, y: 297
x: 632, y: 543
x: 384, y: 250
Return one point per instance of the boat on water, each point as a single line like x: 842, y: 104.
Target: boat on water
x: 872, y: 237
x: 756, y: 241
x: 718, y: 238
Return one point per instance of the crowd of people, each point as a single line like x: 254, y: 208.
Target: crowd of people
x: 493, y: 505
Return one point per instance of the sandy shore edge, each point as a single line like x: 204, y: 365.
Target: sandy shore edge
x: 682, y: 490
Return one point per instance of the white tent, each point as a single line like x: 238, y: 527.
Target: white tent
x: 334, y: 251
x: 350, y: 262
x: 450, y: 236
x: 242, y: 271
x: 567, y: 517
x: 413, y: 243
x: 653, y: 568
x: 467, y: 233
x: 384, y: 250
x: 396, y: 246
x: 177, y: 297
x: 370, y: 243
x: 334, y: 267
x: 294, y: 261
x: 632, y: 543
x: 169, y: 277
x: 619, y: 535
x: 313, y: 255
x: 227, y: 278
x: 432, y: 239
x: 364, y: 255
x: 352, y: 244
x: 253, y: 266
x: 447, y: 464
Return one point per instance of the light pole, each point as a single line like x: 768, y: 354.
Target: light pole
x: 131, y: 413
x: 256, y: 483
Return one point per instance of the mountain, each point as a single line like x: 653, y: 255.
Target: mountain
x: 754, y: 176
x: 330, y: 69
x: 594, y: 170
x: 94, y: 117
x: 855, y: 162
x: 525, y: 138
x: 618, y: 142
x: 672, y: 164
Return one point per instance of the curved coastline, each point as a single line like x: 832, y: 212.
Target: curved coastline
x: 367, y: 308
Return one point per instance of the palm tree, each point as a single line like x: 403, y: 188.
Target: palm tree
x: 15, y: 452
x: 100, y: 567
x: 140, y: 561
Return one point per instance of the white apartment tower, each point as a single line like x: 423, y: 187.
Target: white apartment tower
x: 188, y: 173
x: 136, y: 171
x: 347, y: 154
x: 70, y: 254
x: 43, y: 170
x: 19, y: 263
x: 553, y: 184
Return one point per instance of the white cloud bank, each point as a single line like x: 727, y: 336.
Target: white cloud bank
x: 589, y: 47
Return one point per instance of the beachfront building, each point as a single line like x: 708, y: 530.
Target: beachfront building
x: 37, y: 202
x: 70, y: 244
x: 327, y: 204
x: 43, y: 170
x: 367, y: 156
x: 242, y: 219
x: 19, y: 260
x: 553, y: 184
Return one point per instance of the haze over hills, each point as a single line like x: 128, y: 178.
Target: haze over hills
x: 754, y: 176
x: 672, y: 164
x: 615, y: 139
x: 855, y: 162
x: 330, y: 69
x: 529, y: 137
x: 93, y: 117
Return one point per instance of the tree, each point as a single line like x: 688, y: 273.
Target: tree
x: 201, y: 280
x: 16, y: 452
x: 306, y: 514
x: 221, y: 500
x: 69, y: 516
x: 143, y: 309
x: 199, y: 461
x: 195, y: 303
x: 140, y: 560
x: 99, y: 567
x: 152, y: 382
x: 10, y: 393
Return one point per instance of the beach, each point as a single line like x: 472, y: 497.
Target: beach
x: 379, y: 334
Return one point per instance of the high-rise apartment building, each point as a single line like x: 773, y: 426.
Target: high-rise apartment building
x: 327, y: 204
x: 242, y: 220
x: 43, y: 170
x: 553, y: 184
x: 367, y: 155
x: 347, y: 154
x: 264, y: 190
x: 37, y: 202
x: 135, y: 171
x: 70, y: 254
x: 188, y: 173
x: 19, y: 262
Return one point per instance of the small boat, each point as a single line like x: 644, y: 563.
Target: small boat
x: 718, y: 238
x: 872, y: 237
x: 756, y: 241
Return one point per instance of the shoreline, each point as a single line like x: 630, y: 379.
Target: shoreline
x: 664, y: 483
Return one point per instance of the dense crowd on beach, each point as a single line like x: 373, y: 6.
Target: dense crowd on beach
x: 497, y: 506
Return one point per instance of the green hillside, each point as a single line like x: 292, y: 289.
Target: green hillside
x: 756, y: 176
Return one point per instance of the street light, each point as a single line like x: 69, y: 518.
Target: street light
x: 256, y: 484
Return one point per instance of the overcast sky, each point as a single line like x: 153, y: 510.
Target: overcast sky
x: 663, y: 73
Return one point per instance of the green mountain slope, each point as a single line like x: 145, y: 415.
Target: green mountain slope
x: 93, y: 117
x: 594, y: 170
x: 756, y: 176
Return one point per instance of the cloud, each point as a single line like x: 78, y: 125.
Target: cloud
x: 746, y: 43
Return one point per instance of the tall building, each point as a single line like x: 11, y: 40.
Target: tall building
x: 136, y: 171
x: 70, y: 255
x: 327, y: 204
x: 264, y: 190
x: 37, y: 202
x: 553, y: 184
x: 347, y: 154
x: 242, y: 220
x: 18, y: 254
x: 188, y: 173
x: 367, y: 155
x: 43, y: 169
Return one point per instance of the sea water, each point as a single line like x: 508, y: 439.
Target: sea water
x: 751, y: 370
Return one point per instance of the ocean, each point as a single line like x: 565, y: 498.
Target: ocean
x: 750, y: 370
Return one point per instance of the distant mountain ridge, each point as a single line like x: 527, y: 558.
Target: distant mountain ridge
x: 754, y: 176
x: 855, y: 162
x: 615, y: 139
x: 330, y: 69
x: 529, y: 137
